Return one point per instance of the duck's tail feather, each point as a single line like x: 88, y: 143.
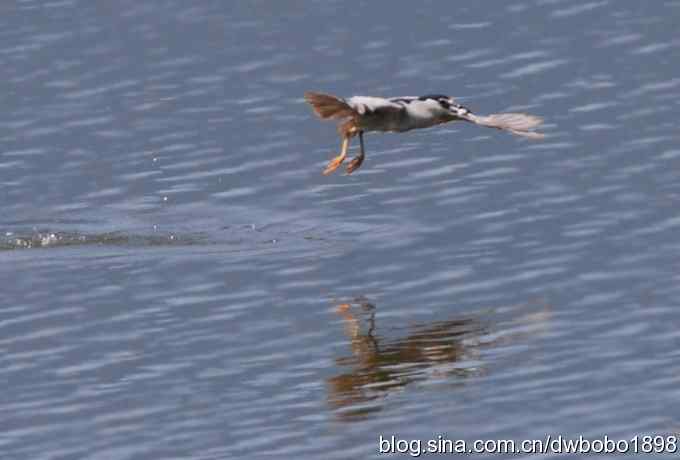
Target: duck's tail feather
x: 327, y: 106
x: 520, y: 124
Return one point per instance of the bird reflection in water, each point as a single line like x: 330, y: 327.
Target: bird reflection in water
x: 442, y: 350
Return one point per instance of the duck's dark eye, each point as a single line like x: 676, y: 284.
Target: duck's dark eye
x: 444, y: 103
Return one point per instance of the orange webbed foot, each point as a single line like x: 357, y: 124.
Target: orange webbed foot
x: 334, y: 164
x: 337, y: 161
x: 357, y: 160
x: 355, y: 164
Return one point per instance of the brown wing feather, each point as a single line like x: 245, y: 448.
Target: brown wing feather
x: 327, y: 106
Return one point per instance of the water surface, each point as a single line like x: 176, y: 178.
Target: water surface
x: 180, y: 281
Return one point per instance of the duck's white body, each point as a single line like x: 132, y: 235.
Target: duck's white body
x: 403, y: 113
x: 367, y: 113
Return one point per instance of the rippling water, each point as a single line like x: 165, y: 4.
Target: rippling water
x: 180, y: 281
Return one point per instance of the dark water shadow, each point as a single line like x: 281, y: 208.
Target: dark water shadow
x: 59, y: 239
x: 240, y: 236
x: 447, y: 349
x: 443, y: 353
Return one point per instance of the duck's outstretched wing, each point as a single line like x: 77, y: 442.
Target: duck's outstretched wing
x: 328, y: 106
x: 367, y: 105
x: 520, y: 124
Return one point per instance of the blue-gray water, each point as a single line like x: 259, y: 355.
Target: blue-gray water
x: 180, y: 281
